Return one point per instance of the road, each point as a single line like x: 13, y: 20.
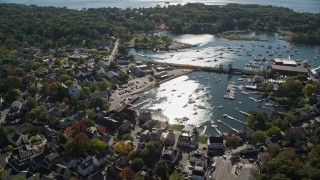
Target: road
x: 114, y: 52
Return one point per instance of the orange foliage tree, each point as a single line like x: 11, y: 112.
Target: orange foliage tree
x: 127, y: 173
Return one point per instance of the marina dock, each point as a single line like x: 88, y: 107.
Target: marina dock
x: 230, y: 94
x: 263, y: 107
x: 230, y: 117
x: 217, y: 130
x: 230, y: 127
x: 204, y: 130
x: 242, y: 112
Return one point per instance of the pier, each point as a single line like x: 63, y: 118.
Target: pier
x: 230, y: 117
x: 230, y: 94
x: 230, y: 127
x: 204, y: 130
x: 217, y: 130
x: 263, y: 107
x: 139, y: 104
x: 242, y: 112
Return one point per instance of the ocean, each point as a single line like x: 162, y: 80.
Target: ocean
x: 312, y: 6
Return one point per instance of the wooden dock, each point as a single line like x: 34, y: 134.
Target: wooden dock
x: 204, y: 130
x: 219, y: 132
x: 242, y: 112
x: 230, y: 117
x: 230, y: 127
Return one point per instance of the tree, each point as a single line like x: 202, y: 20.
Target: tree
x: 127, y: 174
x: 127, y: 136
x: 259, y: 136
x: 274, y: 130
x: 101, y: 130
x: 3, y: 136
x: 161, y: 170
x: 137, y: 164
x: 308, y: 89
x: 103, y: 85
x: 39, y: 113
x: 97, y: 145
x: 122, y: 148
x: 12, y: 94
x: 258, y: 120
x: 31, y: 103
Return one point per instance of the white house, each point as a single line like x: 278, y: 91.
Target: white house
x: 75, y: 89
x: 17, y: 138
x: 85, y: 168
x: 200, y: 165
x: 100, y: 158
x: 315, y: 72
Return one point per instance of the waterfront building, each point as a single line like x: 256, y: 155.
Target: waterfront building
x: 187, y: 140
x: 289, y: 67
x: 215, y: 145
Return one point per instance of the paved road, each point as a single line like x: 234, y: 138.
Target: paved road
x: 114, y: 52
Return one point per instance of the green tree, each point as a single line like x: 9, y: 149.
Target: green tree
x: 97, y: 145
x: 161, y: 170
x: 274, y: 130
x: 137, y: 164
x: 39, y: 113
x: 31, y: 103
x: 259, y: 136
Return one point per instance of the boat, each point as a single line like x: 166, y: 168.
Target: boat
x: 225, y: 115
x: 185, y: 105
x: 214, y: 126
x: 200, y: 76
x: 219, y: 121
x: 220, y: 107
x: 207, y: 78
x: 195, y: 113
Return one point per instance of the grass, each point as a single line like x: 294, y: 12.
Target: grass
x: 202, y: 139
x: 175, y: 176
x: 19, y: 178
x: 176, y: 127
x: 3, y: 173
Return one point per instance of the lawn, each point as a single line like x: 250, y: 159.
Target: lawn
x: 176, y: 176
x: 176, y: 127
x: 19, y: 178
x: 202, y: 139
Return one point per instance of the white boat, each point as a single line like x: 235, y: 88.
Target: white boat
x: 220, y: 107
x: 200, y: 76
x: 214, y: 126
x: 207, y: 78
x: 219, y: 121
x: 225, y: 115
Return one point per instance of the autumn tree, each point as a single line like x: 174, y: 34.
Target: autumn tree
x: 97, y: 145
x: 127, y: 174
x: 122, y: 148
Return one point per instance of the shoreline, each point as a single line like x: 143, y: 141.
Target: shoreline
x: 154, y: 84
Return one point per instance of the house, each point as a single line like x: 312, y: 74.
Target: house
x: 100, y: 71
x: 64, y: 122
x: 77, y: 57
x: 187, y: 140
x: 121, y: 163
x: 102, y: 94
x: 125, y: 127
x: 146, y: 173
x: 82, y: 73
x: 170, y: 155
x: 85, y: 168
x: 200, y: 165
x: 162, y: 75
x: 136, y: 71
x: 156, y: 134
x: 102, y: 64
x: 112, y: 74
x: 198, y: 175
x: 21, y: 155
x: 71, y: 162
x: 100, y: 158
x: 145, y: 136
x: 15, y: 109
x: 109, y: 123
x: 144, y: 116
x: 315, y: 72
x: 18, y: 138
x: 75, y: 89
x: 36, y: 162
x: 51, y: 159
x: 123, y: 61
x: 62, y: 170
x: 196, y: 155
x: 168, y: 138
x: 215, y: 145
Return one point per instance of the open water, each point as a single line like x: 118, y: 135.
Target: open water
x: 312, y: 6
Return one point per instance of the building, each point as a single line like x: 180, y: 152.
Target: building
x: 51, y: 159
x: 18, y: 138
x: 21, y: 155
x: 289, y: 67
x: 85, y: 168
x: 215, y: 145
x: 162, y: 75
x: 187, y: 140
x: 100, y: 159
x: 168, y: 138
x: 62, y: 170
x: 170, y: 155
x: 198, y: 175
x: 64, y: 122
x: 144, y: 116
x: 112, y: 74
x: 75, y: 89
x: 136, y: 71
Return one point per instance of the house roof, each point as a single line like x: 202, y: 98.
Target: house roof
x: 16, y: 136
x: 215, y: 139
x: 101, y: 154
x: 39, y: 158
x: 52, y: 157
x: 198, y: 173
x: 86, y: 164
x: 170, y: 154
